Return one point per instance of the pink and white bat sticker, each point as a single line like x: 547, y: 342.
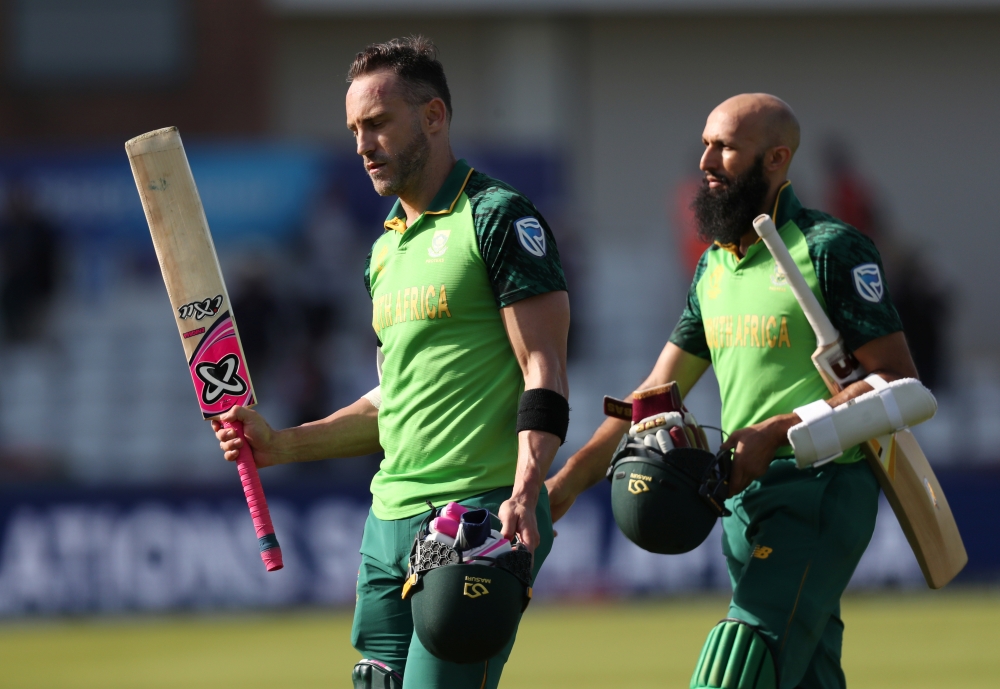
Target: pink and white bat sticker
x: 218, y: 371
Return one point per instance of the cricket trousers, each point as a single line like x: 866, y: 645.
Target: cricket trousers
x: 383, y: 625
x: 791, y: 546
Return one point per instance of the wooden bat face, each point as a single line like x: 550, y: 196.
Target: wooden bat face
x: 191, y: 272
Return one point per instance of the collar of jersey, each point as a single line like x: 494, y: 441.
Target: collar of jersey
x: 786, y: 207
x: 443, y: 203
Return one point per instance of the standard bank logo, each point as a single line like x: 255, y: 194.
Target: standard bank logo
x: 531, y: 236
x: 868, y: 282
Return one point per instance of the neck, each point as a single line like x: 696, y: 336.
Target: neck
x: 750, y: 237
x: 418, y: 199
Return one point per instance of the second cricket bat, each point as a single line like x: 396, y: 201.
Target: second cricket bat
x: 902, y: 470
x: 202, y: 310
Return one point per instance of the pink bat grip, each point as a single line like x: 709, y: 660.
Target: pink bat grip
x: 270, y: 551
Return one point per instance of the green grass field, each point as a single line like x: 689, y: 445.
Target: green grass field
x: 946, y: 639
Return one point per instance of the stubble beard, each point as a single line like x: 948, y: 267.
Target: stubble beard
x: 724, y: 215
x: 405, y: 167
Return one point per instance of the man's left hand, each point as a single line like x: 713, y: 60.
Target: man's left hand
x: 518, y: 518
x: 754, y: 449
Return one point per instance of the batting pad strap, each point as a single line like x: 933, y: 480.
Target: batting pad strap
x: 543, y: 410
x: 884, y: 390
x: 817, y: 419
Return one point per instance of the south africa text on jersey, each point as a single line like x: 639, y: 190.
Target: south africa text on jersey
x: 747, y: 330
x: 410, y: 304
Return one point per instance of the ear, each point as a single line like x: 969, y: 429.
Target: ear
x: 435, y: 116
x: 777, y: 158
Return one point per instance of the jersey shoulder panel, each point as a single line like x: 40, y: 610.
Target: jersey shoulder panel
x: 851, y: 277
x: 689, y: 333
x: 515, y: 242
x: 368, y: 271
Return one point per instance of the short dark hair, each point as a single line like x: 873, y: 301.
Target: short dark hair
x: 414, y: 60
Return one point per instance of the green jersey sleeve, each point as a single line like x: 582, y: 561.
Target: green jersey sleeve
x: 515, y: 242
x: 689, y: 333
x: 852, y: 280
x: 368, y: 271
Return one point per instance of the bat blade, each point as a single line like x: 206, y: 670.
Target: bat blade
x: 897, y: 461
x: 200, y: 302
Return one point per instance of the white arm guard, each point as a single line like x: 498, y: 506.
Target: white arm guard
x: 375, y: 394
x: 825, y: 433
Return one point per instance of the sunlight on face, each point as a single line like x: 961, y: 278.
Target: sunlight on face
x: 387, y: 132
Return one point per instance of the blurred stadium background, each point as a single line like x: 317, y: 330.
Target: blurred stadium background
x: 113, y: 497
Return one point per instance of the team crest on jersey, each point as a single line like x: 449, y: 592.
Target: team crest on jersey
x: 439, y: 243
x: 868, y: 282
x: 531, y: 236
x: 778, y: 277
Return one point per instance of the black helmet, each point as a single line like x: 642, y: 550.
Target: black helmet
x: 465, y: 613
x: 667, y: 502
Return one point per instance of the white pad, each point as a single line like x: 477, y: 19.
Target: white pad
x: 817, y: 417
x: 375, y: 394
x: 890, y: 407
x: 885, y: 393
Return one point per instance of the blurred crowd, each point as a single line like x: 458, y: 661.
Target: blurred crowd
x: 29, y: 266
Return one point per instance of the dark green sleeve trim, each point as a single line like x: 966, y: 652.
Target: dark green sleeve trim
x: 851, y: 278
x: 368, y: 270
x: 517, y: 268
x: 689, y: 333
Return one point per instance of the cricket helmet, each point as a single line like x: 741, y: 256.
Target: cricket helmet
x: 667, y: 502
x: 466, y: 612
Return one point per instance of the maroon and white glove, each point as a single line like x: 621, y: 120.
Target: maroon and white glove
x: 659, y: 418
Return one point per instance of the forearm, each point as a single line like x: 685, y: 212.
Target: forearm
x: 535, y: 452
x: 348, y: 432
x: 537, y: 449
x: 588, y: 466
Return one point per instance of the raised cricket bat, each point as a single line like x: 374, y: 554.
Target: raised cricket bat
x: 200, y: 302
x: 902, y: 470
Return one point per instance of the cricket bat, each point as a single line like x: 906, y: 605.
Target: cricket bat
x: 902, y: 470
x: 201, y: 305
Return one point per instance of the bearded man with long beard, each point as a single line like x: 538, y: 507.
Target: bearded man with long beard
x: 471, y: 313
x: 793, y: 537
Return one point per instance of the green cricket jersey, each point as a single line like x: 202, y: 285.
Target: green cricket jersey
x: 450, y: 382
x: 741, y: 314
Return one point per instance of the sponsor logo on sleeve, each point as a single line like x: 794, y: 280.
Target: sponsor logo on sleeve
x: 531, y: 236
x: 868, y: 282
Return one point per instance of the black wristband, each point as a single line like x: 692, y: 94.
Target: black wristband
x: 543, y: 410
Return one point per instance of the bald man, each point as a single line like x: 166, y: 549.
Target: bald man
x: 794, y: 536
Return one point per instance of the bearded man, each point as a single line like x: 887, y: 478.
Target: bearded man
x: 794, y: 536
x: 470, y: 308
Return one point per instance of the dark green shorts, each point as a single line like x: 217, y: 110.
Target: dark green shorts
x: 792, y: 544
x: 383, y: 627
